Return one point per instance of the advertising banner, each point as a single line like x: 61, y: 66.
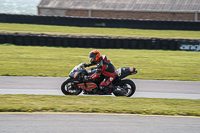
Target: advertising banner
x: 189, y: 45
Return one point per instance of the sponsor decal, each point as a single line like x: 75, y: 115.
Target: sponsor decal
x: 75, y: 74
x: 190, y: 46
x: 94, y: 76
x: 87, y: 86
x: 131, y: 69
x: 111, y: 79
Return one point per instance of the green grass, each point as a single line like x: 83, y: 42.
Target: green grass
x: 89, y: 31
x: 58, y: 62
x: 96, y: 104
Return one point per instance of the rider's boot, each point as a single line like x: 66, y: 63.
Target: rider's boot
x: 107, y: 90
x: 110, y: 88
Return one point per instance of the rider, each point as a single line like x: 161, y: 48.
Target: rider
x: 105, y: 67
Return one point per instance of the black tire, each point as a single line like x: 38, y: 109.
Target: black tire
x: 68, y: 88
x: 128, y: 85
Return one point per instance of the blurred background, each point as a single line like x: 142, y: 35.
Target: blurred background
x: 19, y: 6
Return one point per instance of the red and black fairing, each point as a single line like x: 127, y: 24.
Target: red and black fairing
x: 87, y: 86
x: 121, y: 72
x: 76, y: 74
x: 94, y: 83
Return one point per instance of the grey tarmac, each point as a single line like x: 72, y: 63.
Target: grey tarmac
x: 96, y: 123
x: 145, y: 88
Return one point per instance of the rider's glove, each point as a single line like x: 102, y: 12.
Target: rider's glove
x: 86, y: 78
x: 86, y: 65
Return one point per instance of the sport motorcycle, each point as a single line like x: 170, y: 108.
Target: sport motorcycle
x: 76, y: 82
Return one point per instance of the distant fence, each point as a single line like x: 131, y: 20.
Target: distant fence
x: 99, y: 42
x: 100, y: 22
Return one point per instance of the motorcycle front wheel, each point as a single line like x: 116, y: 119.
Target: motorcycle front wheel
x: 69, y: 88
x: 128, y: 86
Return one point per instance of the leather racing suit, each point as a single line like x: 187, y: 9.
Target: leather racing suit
x: 105, y: 67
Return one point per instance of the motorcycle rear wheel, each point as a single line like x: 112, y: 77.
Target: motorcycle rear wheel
x: 69, y: 88
x: 128, y: 85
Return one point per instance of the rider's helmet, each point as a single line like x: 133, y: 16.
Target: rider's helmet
x: 94, y: 56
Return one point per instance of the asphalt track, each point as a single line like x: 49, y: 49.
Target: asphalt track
x: 145, y: 88
x: 96, y: 123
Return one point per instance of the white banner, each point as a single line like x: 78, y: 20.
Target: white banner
x: 190, y: 46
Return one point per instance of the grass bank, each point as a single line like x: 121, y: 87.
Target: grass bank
x: 58, y: 62
x: 90, y: 31
x: 96, y: 104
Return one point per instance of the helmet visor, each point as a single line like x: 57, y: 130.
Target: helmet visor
x: 92, y: 59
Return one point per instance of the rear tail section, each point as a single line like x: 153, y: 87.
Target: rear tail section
x: 125, y: 71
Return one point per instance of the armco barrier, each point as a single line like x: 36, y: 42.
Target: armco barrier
x: 99, y: 42
x: 100, y: 22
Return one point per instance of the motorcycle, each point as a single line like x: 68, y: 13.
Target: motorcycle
x: 75, y: 84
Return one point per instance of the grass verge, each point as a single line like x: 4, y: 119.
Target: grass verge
x: 58, y: 62
x: 91, y: 31
x: 96, y: 104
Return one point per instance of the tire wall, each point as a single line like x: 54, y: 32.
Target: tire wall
x: 100, y: 42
